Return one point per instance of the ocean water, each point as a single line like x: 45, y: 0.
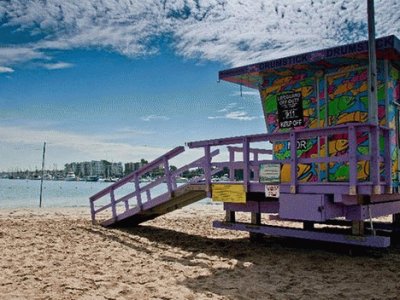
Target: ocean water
x: 17, y: 193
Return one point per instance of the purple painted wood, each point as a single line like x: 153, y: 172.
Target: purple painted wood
x: 167, y: 175
x: 338, y: 189
x: 361, y: 212
x: 365, y: 241
x: 138, y: 192
x: 249, y: 206
x: 246, y: 165
x: 388, y: 162
x: 207, y: 169
x: 92, y: 212
x: 254, y: 206
x: 230, y: 165
x: 126, y: 204
x: 113, y: 207
x: 374, y: 162
x: 352, y: 160
x: 148, y: 195
x: 147, y: 168
x: 293, y: 162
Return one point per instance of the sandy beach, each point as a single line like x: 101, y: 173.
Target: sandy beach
x: 59, y: 254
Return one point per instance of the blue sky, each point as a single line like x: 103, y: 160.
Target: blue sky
x: 124, y: 80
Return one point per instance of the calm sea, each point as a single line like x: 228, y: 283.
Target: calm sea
x: 16, y: 193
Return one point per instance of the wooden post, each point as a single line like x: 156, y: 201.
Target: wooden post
x: 230, y: 216
x: 113, y: 207
x: 231, y: 161
x: 357, y: 228
x: 207, y: 169
x: 246, y: 164
x: 92, y: 212
x: 256, y: 220
x: 396, y: 220
x: 138, y: 192
x: 308, y: 225
x: 352, y: 137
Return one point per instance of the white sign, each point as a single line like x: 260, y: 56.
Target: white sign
x: 270, y: 173
x: 272, y: 191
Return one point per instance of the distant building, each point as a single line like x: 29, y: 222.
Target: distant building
x: 100, y: 168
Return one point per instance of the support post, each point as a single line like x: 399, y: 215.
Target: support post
x: 126, y: 205
x: 113, y: 207
x: 246, y: 163
x: 308, y: 225
x: 92, y: 212
x: 293, y: 162
x: 256, y: 169
x: 138, y: 192
x: 352, y: 141
x: 357, y: 228
x: 207, y: 169
x: 374, y: 165
x: 388, y: 163
x: 168, y: 178
x: 396, y: 220
x: 230, y: 216
x: 256, y: 218
x: 231, y: 161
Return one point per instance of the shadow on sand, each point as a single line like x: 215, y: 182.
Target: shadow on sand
x: 269, y: 268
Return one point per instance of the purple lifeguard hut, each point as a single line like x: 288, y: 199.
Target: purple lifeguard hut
x: 328, y: 163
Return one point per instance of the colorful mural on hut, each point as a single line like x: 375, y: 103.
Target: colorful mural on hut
x: 342, y: 98
x: 393, y: 91
x: 306, y: 85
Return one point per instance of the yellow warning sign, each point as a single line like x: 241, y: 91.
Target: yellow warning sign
x: 229, y: 193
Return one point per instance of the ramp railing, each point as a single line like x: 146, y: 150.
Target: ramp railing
x: 132, y: 192
x: 378, y: 162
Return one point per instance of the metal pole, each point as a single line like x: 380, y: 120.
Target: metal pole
x: 373, y: 99
x: 41, y: 179
x: 372, y: 72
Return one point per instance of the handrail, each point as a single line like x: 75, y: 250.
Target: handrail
x: 282, y: 136
x: 250, y: 166
x: 168, y: 178
x: 143, y: 170
x: 351, y: 156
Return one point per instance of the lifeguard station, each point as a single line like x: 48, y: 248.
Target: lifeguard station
x: 328, y: 162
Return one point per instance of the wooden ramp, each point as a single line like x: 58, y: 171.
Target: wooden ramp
x: 130, y: 201
x: 181, y: 197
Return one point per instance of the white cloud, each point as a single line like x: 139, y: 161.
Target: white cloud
x: 57, y: 66
x: 12, y: 55
x: 154, y: 118
x: 73, y: 145
x: 6, y: 70
x: 234, y: 31
x: 22, y: 147
x: 233, y: 112
x: 247, y: 93
x: 235, y: 115
x: 229, y: 107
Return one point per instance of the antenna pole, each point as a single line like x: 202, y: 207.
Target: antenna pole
x: 41, y: 179
x: 372, y: 70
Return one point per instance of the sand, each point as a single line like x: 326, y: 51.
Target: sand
x: 59, y: 254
